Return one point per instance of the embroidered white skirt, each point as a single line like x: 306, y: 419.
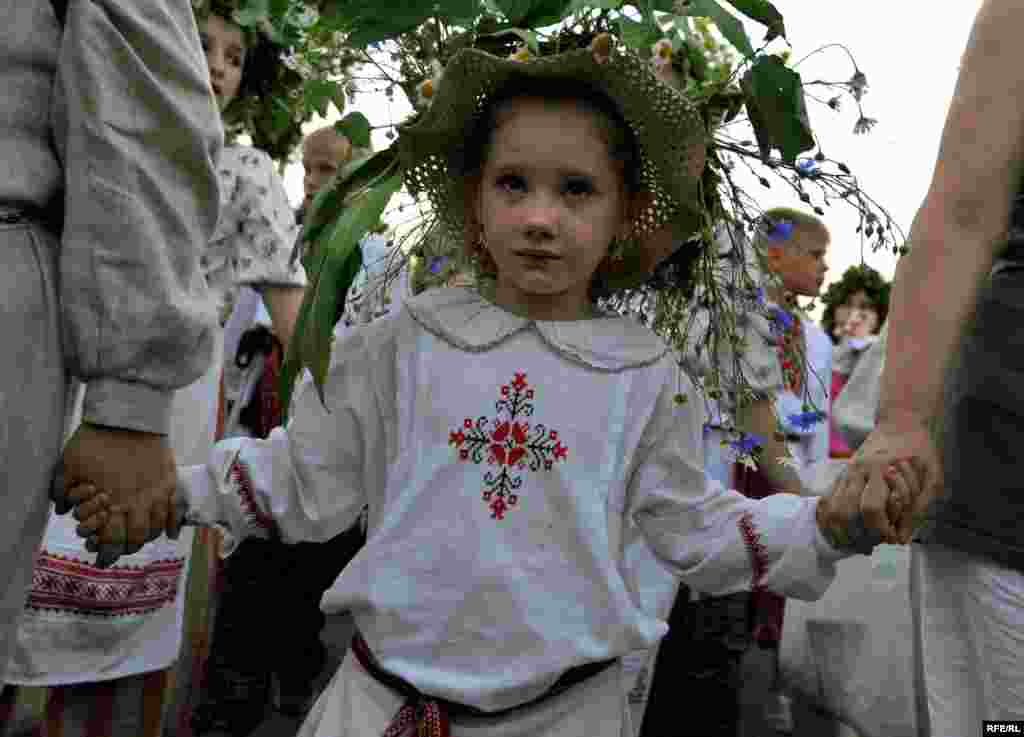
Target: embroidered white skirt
x: 356, y: 705
x: 83, y: 624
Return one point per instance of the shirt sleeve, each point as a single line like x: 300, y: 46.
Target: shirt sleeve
x: 310, y: 480
x: 715, y: 539
x: 138, y: 132
x: 267, y: 230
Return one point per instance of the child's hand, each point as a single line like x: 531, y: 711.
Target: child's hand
x: 104, y: 525
x: 93, y: 509
x: 866, y: 506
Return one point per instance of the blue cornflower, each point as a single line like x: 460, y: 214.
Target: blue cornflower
x: 780, y: 231
x: 746, y: 443
x: 806, y: 420
x: 436, y: 264
x: 781, y: 320
x: 807, y: 167
x: 756, y: 295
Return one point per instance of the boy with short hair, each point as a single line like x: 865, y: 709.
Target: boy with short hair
x: 709, y: 636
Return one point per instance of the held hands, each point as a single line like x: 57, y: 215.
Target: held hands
x: 907, y: 438
x: 138, y: 476
x: 868, y: 505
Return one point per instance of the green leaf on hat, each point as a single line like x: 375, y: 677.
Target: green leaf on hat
x: 331, y: 267
x: 356, y: 128
x: 727, y: 23
x: 252, y: 13
x: 578, y: 5
x: 638, y: 35
x: 533, y: 13
x: 776, y: 107
x: 361, y: 172
x: 318, y: 94
x: 763, y: 12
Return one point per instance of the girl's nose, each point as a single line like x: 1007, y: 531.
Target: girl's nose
x: 540, y: 216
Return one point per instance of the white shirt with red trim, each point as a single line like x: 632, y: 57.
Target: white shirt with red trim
x: 501, y: 458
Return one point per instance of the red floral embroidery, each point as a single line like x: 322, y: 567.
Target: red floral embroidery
x: 253, y: 514
x: 790, y: 346
x: 510, y: 443
x: 70, y: 585
x: 758, y: 552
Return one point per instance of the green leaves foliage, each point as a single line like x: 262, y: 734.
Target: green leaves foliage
x: 360, y: 193
x: 638, y: 35
x: 372, y: 21
x: 777, y: 110
x: 356, y: 128
x: 533, y: 13
x: 763, y: 12
x: 318, y: 94
x: 727, y: 23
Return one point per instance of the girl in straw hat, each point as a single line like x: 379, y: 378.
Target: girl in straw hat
x: 503, y: 437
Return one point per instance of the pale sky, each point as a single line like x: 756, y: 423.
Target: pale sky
x: 910, y: 51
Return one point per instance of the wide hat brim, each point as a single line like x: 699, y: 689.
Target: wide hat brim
x: 666, y: 124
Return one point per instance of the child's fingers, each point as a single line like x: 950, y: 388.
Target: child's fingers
x: 91, y: 507
x: 80, y: 493
x: 93, y: 524
x: 905, y: 484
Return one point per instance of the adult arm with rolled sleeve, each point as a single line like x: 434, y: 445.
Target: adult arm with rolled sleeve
x: 138, y: 133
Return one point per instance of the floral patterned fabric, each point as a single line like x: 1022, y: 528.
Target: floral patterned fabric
x: 256, y: 231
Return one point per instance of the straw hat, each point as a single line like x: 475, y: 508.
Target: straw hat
x: 668, y: 130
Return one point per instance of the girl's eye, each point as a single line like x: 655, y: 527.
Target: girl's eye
x: 235, y: 60
x: 512, y: 183
x: 578, y: 187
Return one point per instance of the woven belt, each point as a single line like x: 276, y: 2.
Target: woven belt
x: 427, y: 716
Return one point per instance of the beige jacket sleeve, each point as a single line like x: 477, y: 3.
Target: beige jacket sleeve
x: 138, y: 133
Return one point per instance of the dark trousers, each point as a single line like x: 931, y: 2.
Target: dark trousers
x: 695, y: 688
x: 271, y: 582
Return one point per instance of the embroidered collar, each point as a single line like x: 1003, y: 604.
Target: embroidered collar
x: 464, y: 319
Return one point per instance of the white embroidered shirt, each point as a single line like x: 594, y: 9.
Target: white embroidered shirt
x: 500, y: 459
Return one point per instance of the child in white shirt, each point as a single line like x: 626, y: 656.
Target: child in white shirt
x: 503, y: 437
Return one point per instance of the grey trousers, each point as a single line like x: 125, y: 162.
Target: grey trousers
x: 33, y: 386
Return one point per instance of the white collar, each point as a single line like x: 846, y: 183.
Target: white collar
x: 464, y: 319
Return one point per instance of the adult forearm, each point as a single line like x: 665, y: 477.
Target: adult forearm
x: 933, y: 298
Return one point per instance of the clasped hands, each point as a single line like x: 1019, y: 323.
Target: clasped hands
x: 124, y: 488
x: 138, y: 477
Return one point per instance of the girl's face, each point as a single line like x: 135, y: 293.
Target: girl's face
x: 224, y: 45
x: 551, y: 199
x: 860, y: 316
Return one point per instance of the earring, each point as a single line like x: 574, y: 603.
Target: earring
x: 481, y: 256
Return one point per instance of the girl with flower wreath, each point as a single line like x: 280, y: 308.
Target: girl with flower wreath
x: 103, y: 641
x: 503, y: 437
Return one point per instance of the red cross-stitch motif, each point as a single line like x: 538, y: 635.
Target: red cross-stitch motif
x: 790, y: 345
x: 65, y: 584
x: 509, y: 442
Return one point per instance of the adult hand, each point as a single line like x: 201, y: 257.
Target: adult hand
x: 859, y: 512
x: 908, y: 439
x: 137, y: 472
